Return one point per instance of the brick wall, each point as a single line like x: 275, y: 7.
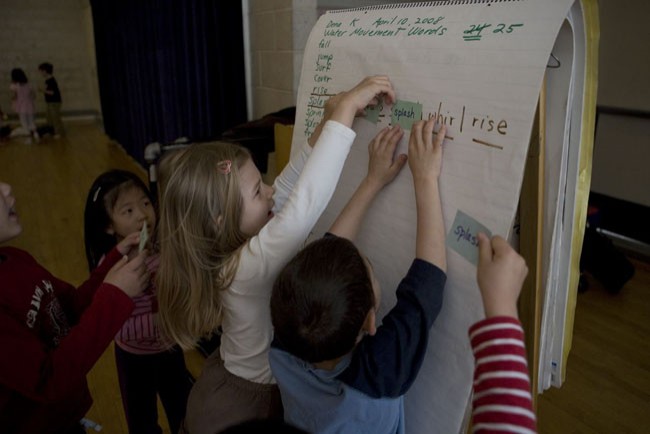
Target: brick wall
x: 59, y: 32
x: 278, y: 34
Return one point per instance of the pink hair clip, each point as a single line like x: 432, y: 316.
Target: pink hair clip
x: 224, y: 166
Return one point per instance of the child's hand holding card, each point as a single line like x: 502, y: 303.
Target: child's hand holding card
x: 463, y: 236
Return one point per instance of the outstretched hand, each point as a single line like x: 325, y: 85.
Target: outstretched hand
x: 500, y: 273
x: 382, y: 167
x: 425, y: 151
x: 346, y: 105
x: 131, y: 276
x: 425, y: 161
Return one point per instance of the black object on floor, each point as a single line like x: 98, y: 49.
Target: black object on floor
x: 604, y: 261
x: 45, y: 130
x: 207, y: 346
x: 620, y: 217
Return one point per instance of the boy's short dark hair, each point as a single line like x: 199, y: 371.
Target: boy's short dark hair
x: 321, y: 299
x: 47, y: 67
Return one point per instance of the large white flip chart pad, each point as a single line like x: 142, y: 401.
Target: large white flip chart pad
x: 477, y: 64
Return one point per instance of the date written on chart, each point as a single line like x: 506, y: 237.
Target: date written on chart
x: 385, y: 27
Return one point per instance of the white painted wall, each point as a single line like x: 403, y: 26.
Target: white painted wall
x: 622, y: 144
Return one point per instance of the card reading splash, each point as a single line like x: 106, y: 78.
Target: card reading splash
x: 463, y: 236
x: 144, y: 237
x: 405, y: 113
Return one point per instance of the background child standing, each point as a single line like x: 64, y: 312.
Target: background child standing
x: 22, y: 102
x: 52, y: 99
x: 118, y: 204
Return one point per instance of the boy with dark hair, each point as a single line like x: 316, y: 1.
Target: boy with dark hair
x: 52, y: 99
x: 335, y: 369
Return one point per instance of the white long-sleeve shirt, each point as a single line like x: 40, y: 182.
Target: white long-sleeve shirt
x: 302, y: 191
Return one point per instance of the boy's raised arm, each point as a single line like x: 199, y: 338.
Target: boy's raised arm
x: 382, y: 169
x: 425, y: 161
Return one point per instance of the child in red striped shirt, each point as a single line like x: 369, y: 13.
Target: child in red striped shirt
x: 502, y: 399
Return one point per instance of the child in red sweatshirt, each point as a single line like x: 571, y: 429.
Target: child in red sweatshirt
x: 51, y: 333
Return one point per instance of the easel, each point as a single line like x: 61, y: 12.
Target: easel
x: 531, y: 241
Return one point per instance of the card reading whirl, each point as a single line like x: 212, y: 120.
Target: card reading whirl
x: 144, y: 237
x: 463, y: 236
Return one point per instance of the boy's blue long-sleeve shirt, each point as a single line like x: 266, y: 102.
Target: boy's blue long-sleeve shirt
x: 363, y: 393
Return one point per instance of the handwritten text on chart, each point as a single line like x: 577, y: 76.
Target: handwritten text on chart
x: 391, y: 26
x: 386, y: 27
x: 473, y: 33
x: 405, y: 113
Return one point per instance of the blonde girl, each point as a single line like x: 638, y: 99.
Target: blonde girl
x: 224, y: 236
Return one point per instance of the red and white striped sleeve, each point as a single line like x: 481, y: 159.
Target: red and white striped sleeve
x: 502, y: 402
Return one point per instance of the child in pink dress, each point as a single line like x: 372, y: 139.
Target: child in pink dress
x: 22, y: 102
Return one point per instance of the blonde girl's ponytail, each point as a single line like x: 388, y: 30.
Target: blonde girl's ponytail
x: 200, y: 238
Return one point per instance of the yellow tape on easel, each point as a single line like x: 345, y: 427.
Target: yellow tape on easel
x: 592, y: 34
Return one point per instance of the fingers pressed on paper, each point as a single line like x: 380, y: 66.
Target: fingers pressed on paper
x: 419, y: 139
x: 440, y: 137
x: 380, y: 136
x: 428, y: 130
x: 390, y: 140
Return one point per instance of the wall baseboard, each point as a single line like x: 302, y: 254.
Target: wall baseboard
x: 68, y: 115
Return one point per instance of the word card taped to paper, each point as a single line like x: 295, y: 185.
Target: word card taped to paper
x: 372, y: 113
x: 463, y: 236
x: 405, y: 113
x: 144, y: 237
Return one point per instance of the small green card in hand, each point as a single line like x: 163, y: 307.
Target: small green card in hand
x: 144, y: 237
